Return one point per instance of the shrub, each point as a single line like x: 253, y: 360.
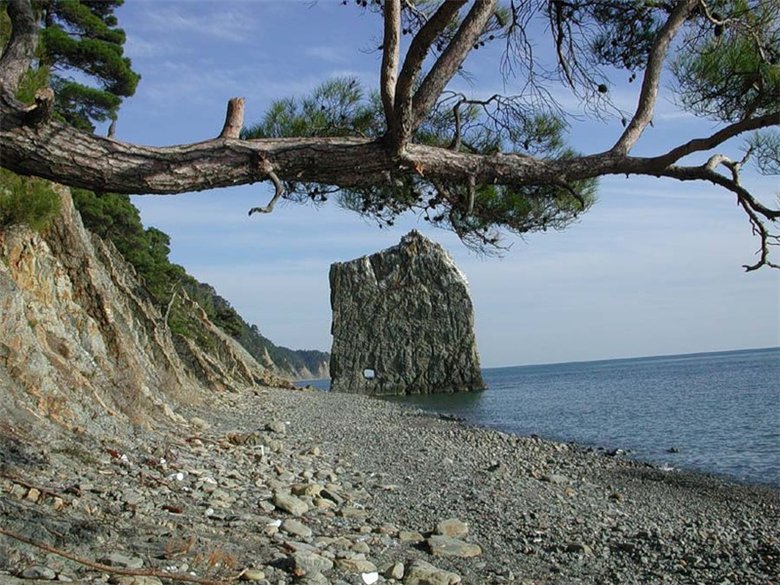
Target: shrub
x: 25, y: 200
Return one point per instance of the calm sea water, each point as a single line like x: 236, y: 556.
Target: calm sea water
x: 720, y: 411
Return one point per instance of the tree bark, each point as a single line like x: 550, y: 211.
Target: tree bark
x: 391, y: 47
x: 652, y: 77
x: 18, y: 53
x: 451, y: 59
x: 400, y: 131
x: 58, y: 152
x: 234, y: 118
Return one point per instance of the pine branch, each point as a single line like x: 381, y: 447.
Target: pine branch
x: 390, y: 58
x: 403, y: 120
x: 652, y: 77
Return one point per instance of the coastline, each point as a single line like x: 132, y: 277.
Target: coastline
x: 538, y: 511
x: 627, y: 455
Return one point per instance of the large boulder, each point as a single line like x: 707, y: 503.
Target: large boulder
x: 403, y: 323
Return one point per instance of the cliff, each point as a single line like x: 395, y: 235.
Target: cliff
x: 403, y: 323
x: 83, y: 346
x: 114, y: 218
x: 291, y: 363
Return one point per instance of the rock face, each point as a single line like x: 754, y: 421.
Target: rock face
x: 82, y: 345
x: 403, y: 323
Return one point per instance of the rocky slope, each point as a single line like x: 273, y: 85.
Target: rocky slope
x: 82, y: 346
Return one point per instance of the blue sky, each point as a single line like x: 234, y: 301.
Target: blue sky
x: 653, y: 268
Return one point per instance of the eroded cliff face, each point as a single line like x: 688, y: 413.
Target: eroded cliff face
x: 82, y: 345
x: 403, y: 323
x: 218, y: 360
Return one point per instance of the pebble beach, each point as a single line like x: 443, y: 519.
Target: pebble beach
x: 300, y: 486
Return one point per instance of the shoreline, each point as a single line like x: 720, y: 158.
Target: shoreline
x: 610, y: 450
x: 316, y: 487
x: 618, y: 452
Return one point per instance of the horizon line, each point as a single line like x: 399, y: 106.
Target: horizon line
x: 635, y: 357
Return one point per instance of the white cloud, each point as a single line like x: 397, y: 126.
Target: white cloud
x: 330, y: 53
x: 138, y: 47
x: 235, y: 24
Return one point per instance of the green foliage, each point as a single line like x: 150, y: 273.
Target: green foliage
x: 765, y: 148
x: 114, y: 217
x: 78, y: 104
x: 731, y: 71
x: 183, y: 321
x: 33, y: 80
x: 340, y: 108
x: 219, y: 311
x: 82, y: 36
x: 26, y: 200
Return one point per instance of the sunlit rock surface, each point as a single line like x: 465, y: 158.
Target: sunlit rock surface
x: 403, y: 323
x: 83, y: 346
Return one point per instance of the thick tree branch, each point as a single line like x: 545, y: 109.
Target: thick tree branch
x: 403, y: 121
x: 58, y: 152
x: 718, y: 138
x: 652, y: 77
x: 451, y: 59
x: 19, y: 52
x: 390, y: 58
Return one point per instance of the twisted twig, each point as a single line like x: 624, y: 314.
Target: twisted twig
x: 114, y: 570
x: 279, y: 191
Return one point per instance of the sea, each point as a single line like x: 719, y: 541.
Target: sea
x: 716, y: 413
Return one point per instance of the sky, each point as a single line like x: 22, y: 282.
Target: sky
x: 654, y: 268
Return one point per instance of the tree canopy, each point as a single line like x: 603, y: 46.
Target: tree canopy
x: 477, y: 166
x: 80, y: 54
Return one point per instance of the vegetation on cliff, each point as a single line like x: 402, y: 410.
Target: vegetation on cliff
x: 26, y: 200
x: 114, y: 217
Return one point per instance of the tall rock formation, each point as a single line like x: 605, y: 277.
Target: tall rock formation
x: 403, y: 323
